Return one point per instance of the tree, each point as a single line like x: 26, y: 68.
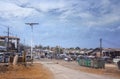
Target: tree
x: 77, y: 48
x: 39, y: 46
x: 58, y: 50
x: 71, y: 48
x: 48, y: 47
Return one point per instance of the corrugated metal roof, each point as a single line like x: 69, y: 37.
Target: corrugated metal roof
x: 111, y: 49
x: 10, y: 37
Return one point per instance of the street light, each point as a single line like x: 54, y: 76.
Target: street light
x: 31, y: 24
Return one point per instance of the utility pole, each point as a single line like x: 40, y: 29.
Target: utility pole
x: 31, y: 24
x: 8, y: 34
x: 59, y: 50
x: 100, y: 47
x: 8, y: 39
x: 24, y: 45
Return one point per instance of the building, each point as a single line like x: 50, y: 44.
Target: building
x: 111, y: 52
x: 11, y: 43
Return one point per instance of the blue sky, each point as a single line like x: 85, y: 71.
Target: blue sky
x: 67, y: 23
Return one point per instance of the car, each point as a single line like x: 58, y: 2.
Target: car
x: 107, y: 59
x: 1, y: 57
x: 36, y: 57
x: 2, y: 48
x: 68, y: 59
x: 74, y: 57
x: 28, y: 58
x: 116, y: 60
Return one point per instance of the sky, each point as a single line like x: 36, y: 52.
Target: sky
x: 65, y: 23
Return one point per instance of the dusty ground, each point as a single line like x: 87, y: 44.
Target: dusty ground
x: 63, y: 72
x: 36, y: 71
x: 110, y: 70
x: 60, y: 70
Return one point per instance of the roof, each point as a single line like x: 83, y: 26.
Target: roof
x: 10, y: 37
x: 111, y: 49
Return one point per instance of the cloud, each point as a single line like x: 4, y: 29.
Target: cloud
x: 45, y: 7
x: 91, y: 13
x: 10, y: 10
x: 88, y: 13
x: 59, y: 19
x: 113, y: 29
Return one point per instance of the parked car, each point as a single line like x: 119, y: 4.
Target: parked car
x: 1, y: 57
x: 28, y: 58
x: 116, y: 60
x: 74, y: 57
x: 2, y: 48
x: 68, y: 59
x: 36, y: 57
x: 107, y: 59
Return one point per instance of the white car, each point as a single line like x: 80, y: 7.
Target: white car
x: 68, y: 59
x: 116, y: 60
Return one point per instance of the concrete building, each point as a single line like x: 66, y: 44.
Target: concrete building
x: 12, y: 44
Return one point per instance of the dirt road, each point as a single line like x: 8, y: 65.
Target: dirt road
x: 61, y: 72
